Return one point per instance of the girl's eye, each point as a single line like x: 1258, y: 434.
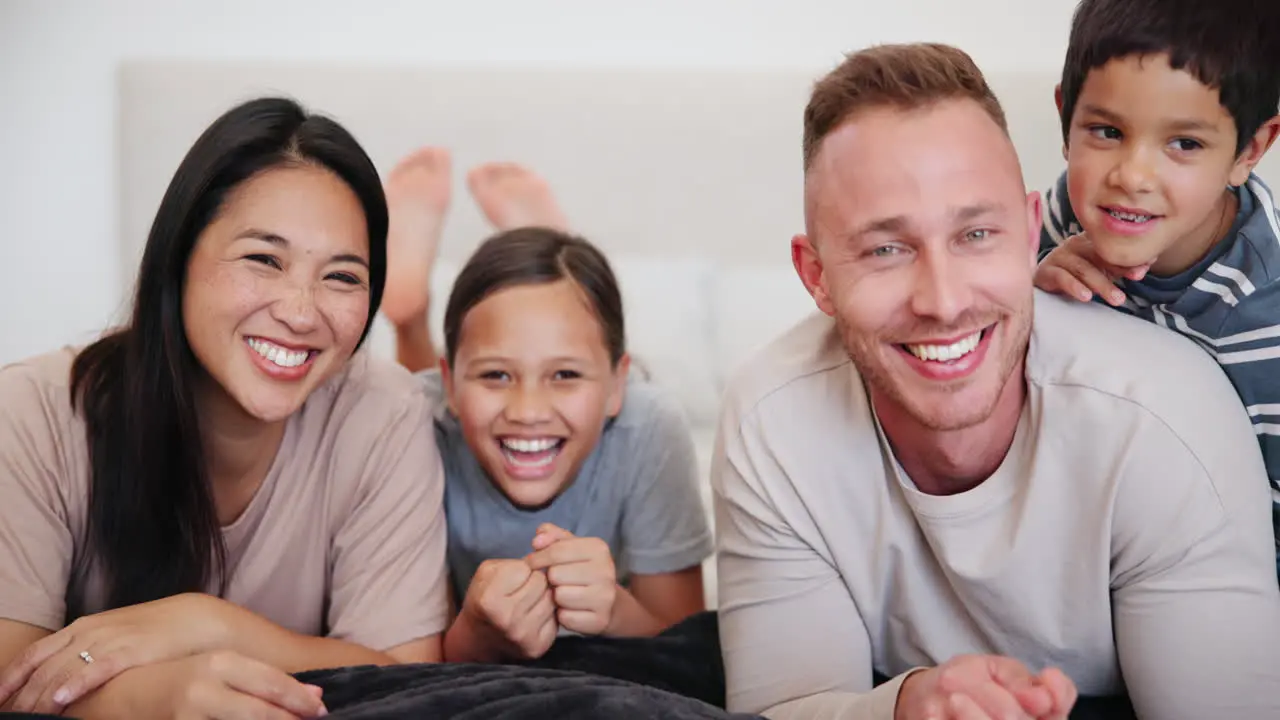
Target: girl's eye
x: 494, y: 375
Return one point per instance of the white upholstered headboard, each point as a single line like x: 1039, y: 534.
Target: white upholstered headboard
x: 661, y: 163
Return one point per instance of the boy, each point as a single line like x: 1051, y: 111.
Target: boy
x: 1166, y: 107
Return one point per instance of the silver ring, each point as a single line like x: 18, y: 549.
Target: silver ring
x: 86, y: 657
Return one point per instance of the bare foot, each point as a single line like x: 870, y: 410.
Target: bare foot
x: 418, y: 190
x: 513, y: 196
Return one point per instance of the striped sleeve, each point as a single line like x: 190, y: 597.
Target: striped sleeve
x: 1249, y: 351
x: 1247, y: 343
x: 1057, y: 221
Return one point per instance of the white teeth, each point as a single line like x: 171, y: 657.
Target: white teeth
x: 1129, y: 217
x: 946, y: 353
x: 278, y: 355
x: 512, y: 446
x: 541, y: 462
x: 529, y: 445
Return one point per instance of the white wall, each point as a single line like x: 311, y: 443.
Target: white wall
x: 58, y: 201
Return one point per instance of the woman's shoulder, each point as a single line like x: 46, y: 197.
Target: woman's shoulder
x: 371, y: 401
x: 38, y: 384
x: 42, y: 437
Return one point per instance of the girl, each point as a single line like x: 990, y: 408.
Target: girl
x: 220, y: 493
x: 571, y: 491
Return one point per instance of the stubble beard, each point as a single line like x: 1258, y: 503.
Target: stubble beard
x: 871, y: 356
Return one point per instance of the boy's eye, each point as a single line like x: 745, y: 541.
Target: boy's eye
x: 1187, y: 144
x: 1104, y: 132
x: 567, y: 375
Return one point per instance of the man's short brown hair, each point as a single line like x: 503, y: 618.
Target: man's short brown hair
x: 906, y: 76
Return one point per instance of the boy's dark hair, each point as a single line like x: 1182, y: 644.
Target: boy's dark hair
x: 1232, y: 48
x: 534, y: 255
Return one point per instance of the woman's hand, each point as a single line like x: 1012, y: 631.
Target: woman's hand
x: 61, y: 668
x: 582, y: 576
x: 220, y: 684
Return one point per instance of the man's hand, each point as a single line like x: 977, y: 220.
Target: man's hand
x: 582, y: 576
x: 509, y: 606
x: 985, y: 687
x: 1074, y: 269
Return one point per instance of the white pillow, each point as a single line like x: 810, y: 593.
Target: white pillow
x: 669, y: 328
x: 753, y: 304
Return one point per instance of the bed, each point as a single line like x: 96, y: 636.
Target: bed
x: 689, y: 180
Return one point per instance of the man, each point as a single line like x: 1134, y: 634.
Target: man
x: 993, y: 497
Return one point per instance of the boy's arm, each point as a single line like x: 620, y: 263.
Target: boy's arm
x: 1248, y: 349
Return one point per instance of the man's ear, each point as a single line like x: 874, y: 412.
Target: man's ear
x: 1254, y: 150
x: 808, y: 264
x: 1035, y: 218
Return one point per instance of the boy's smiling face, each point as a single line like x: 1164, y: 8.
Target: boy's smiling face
x: 1150, y: 153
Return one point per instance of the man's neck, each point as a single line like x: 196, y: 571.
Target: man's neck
x: 238, y: 450
x: 947, y: 462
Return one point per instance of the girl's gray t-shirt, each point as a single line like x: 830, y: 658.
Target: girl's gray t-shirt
x: 637, y: 491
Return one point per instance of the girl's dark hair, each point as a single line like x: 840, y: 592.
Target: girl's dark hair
x: 152, y: 526
x: 532, y: 255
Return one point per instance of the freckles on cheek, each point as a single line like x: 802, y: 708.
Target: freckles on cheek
x: 348, y: 318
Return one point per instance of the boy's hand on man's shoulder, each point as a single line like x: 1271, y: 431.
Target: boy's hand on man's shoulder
x: 582, y: 575
x: 1075, y: 270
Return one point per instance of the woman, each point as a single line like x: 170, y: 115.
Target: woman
x: 221, y: 492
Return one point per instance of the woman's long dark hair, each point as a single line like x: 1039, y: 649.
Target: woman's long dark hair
x: 152, y: 526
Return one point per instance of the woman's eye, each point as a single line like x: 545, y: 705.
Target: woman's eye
x: 346, y: 278
x: 264, y: 260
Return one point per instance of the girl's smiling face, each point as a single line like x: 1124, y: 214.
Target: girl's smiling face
x: 532, y: 386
